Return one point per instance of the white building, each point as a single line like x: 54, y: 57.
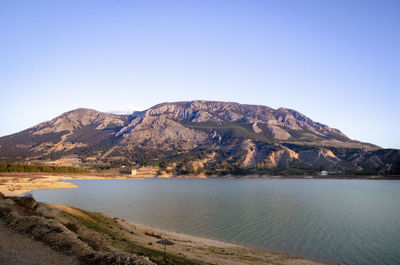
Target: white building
x: 324, y: 173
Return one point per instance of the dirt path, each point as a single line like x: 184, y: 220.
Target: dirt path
x: 16, y: 249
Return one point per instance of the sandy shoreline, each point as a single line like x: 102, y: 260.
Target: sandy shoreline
x: 210, y: 250
x: 205, y: 250
x: 15, y: 184
x: 85, y: 235
x: 195, y: 248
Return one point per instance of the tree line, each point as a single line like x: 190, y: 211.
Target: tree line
x: 7, y: 167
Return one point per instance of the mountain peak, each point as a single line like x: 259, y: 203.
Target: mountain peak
x: 252, y: 137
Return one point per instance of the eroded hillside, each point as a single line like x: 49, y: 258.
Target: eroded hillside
x: 180, y: 138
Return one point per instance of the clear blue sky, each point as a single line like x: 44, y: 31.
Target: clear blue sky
x: 337, y: 62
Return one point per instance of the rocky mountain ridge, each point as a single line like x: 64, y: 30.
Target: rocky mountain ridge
x: 198, y: 137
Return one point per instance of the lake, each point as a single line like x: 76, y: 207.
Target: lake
x: 338, y: 221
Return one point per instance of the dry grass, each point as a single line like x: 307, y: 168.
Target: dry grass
x: 152, y: 234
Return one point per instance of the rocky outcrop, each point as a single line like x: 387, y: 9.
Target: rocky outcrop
x: 71, y: 120
x: 161, y: 132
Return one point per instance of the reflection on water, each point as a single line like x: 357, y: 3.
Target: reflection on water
x: 342, y: 221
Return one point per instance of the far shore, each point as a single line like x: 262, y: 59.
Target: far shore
x: 17, y: 183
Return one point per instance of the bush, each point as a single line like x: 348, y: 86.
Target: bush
x: 72, y: 227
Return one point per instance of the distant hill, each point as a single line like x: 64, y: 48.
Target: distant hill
x: 199, y: 137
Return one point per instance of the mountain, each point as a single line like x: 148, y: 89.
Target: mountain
x: 199, y: 136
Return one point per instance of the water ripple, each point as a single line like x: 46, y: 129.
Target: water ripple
x: 341, y: 221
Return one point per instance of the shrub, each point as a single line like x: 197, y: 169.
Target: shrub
x: 72, y: 227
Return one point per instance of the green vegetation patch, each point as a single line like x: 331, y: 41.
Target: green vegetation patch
x: 5, y: 167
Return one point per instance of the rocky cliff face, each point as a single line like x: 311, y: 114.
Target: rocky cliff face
x: 176, y: 136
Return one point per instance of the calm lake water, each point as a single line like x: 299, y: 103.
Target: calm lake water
x: 339, y: 221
